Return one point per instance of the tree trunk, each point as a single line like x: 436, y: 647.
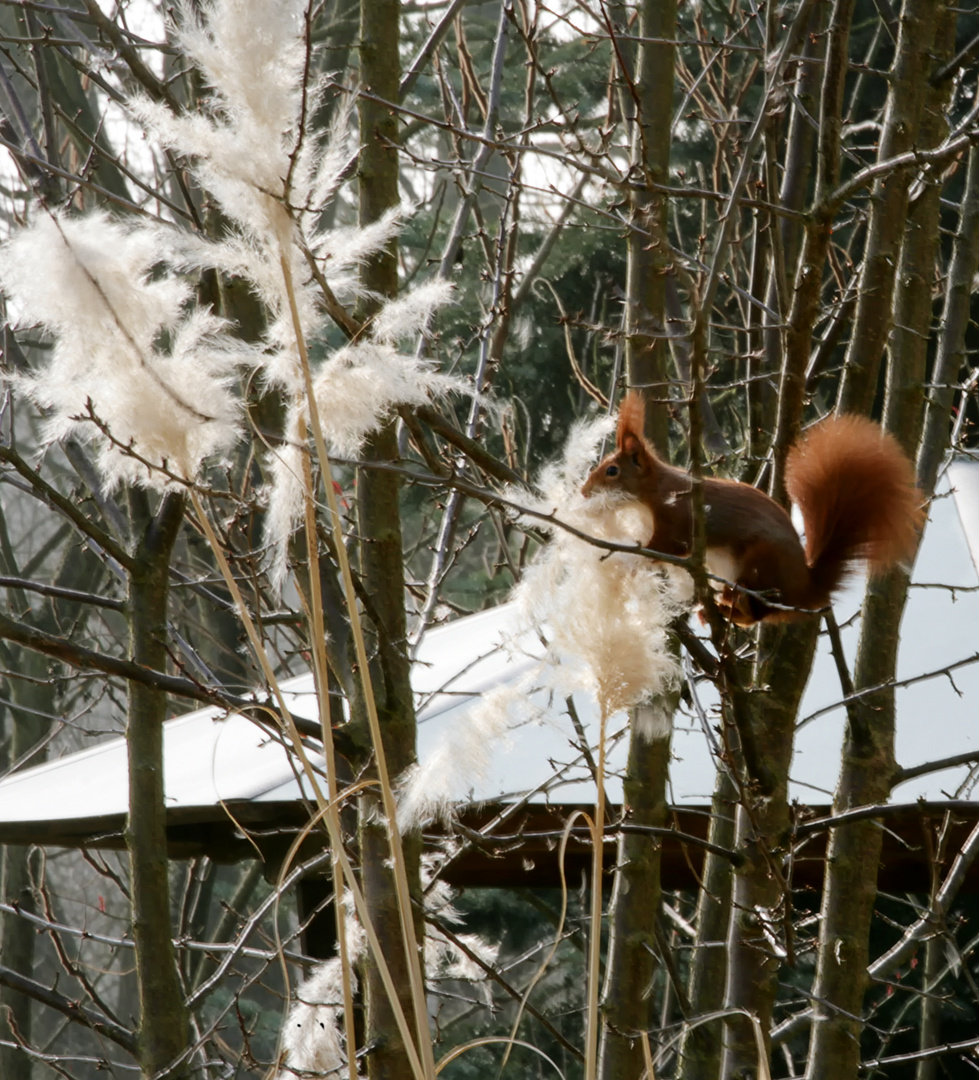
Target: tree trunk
x: 907, y: 369
x: 627, y: 1000
x: 850, y: 885
x: 164, y: 1021
x: 873, y: 316
x: 702, y: 1046
x: 631, y: 961
x: 951, y: 353
x: 34, y: 694
x: 648, y: 258
x: 765, y: 356
x: 761, y: 904
x: 812, y: 262
x: 382, y: 566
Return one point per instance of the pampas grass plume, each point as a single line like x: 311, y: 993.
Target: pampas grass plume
x: 444, y: 958
x: 284, y: 493
x: 311, y: 1036
x: 410, y: 314
x: 606, y: 612
x: 460, y: 758
x: 251, y: 55
x: 361, y: 384
x: 95, y: 284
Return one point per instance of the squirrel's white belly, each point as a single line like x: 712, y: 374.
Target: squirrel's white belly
x: 721, y: 563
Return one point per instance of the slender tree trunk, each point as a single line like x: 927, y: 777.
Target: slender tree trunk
x: 873, y: 316
x: 382, y: 565
x: 907, y: 369
x: 702, y: 1046
x: 765, y: 355
x: 764, y: 347
x: 815, y: 246
x: 951, y: 353
x: 164, y: 1021
x: 761, y: 904
x: 627, y: 1000
x: 766, y: 719
x: 31, y: 698
x: 850, y: 885
x: 628, y: 1004
x: 383, y: 580
x: 648, y: 257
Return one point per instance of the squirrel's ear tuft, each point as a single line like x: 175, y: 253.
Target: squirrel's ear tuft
x: 632, y: 419
x: 632, y: 445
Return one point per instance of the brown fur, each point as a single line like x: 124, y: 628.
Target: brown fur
x: 851, y: 481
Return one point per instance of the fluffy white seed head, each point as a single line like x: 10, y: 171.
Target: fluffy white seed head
x: 252, y: 58
x: 245, y: 257
x: 284, y: 492
x: 96, y: 285
x: 344, y: 248
x: 92, y: 276
x: 323, y: 162
x: 461, y: 757
x: 250, y: 52
x: 458, y: 959
x: 311, y: 1036
x: 251, y: 55
x: 358, y: 387
x: 604, y: 616
x: 409, y: 315
x: 562, y: 478
x: 444, y: 957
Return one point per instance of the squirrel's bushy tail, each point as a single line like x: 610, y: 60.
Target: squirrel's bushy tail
x: 856, y: 490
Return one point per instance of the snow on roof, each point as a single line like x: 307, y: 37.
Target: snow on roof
x: 213, y: 758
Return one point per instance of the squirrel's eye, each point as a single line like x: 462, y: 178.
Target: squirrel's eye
x: 612, y: 470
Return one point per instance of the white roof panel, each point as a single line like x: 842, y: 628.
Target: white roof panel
x: 212, y: 758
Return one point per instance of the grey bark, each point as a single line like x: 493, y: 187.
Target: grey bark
x: 809, y: 275
x: 889, y: 205
x: 761, y: 903
x: 950, y: 354
x: 627, y: 999
x: 766, y: 719
x: 850, y: 884
x: 648, y: 259
x: 702, y: 1046
x: 766, y: 348
x: 382, y: 566
x: 164, y: 1020
x: 628, y: 1004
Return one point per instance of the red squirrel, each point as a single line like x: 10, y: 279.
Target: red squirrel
x: 850, y: 479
